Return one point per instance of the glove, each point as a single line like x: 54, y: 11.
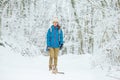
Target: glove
x: 61, y: 46
x: 48, y: 48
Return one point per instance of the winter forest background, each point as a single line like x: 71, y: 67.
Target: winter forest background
x: 89, y: 26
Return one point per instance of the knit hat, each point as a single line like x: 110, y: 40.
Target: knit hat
x: 55, y: 19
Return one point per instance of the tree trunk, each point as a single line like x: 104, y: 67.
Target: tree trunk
x: 0, y: 28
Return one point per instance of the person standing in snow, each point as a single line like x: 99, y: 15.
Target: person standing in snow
x: 54, y: 43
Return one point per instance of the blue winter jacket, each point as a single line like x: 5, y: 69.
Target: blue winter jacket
x: 54, y: 37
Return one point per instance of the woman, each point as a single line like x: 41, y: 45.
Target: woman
x: 54, y: 43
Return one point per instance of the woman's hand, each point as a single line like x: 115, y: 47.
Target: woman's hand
x: 61, y: 46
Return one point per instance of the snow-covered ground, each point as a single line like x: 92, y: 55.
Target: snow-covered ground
x: 16, y: 67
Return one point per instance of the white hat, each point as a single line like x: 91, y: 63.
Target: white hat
x: 55, y: 19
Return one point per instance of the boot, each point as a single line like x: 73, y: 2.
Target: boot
x: 55, y: 70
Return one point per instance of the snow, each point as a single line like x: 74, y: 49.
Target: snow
x: 16, y: 67
x: 91, y: 29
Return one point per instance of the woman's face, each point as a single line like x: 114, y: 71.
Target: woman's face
x: 55, y: 23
